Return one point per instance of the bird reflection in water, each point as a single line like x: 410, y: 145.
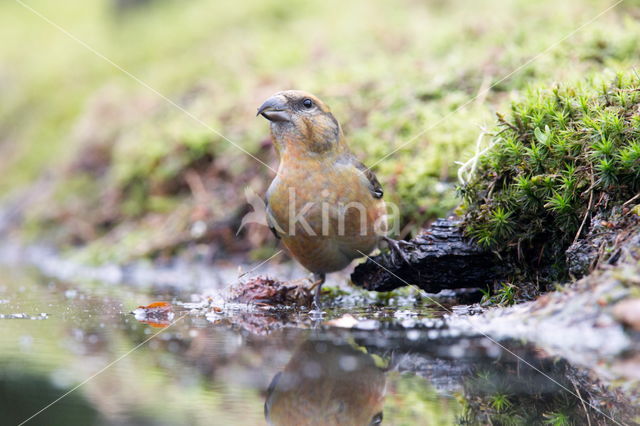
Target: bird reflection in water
x: 327, y: 384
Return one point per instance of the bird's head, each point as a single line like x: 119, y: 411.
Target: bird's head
x: 301, y: 121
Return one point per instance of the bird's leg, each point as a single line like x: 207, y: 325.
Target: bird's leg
x: 318, y: 280
x: 396, y: 249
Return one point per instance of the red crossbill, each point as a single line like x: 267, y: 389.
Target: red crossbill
x: 327, y: 384
x: 324, y: 204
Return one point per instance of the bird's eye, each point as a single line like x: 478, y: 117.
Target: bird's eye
x: 307, y: 103
x: 376, y: 420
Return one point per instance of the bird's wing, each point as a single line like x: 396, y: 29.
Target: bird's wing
x: 374, y: 184
x: 272, y: 227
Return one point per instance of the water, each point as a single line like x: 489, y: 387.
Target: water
x: 400, y: 366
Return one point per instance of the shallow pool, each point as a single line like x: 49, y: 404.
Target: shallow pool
x: 73, y: 354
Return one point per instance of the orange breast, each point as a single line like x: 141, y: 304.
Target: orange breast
x: 325, y: 212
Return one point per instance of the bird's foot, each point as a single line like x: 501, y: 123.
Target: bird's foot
x: 397, y: 250
x: 315, y: 283
x: 316, y: 306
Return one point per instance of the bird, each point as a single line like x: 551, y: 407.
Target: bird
x: 324, y: 205
x: 325, y: 383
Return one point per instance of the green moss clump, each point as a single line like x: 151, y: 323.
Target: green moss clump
x: 561, y: 156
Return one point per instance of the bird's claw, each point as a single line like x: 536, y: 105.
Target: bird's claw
x: 315, y: 284
x: 396, y: 248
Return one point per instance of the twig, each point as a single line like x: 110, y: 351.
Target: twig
x: 584, y: 219
x: 504, y: 122
x: 586, y: 214
x: 635, y: 197
x: 584, y: 406
x: 463, y: 175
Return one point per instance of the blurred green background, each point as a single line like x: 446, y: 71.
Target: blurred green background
x: 114, y: 172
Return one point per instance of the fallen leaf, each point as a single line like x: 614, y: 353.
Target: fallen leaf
x: 157, y: 314
x: 156, y: 307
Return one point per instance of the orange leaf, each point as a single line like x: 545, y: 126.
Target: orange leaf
x: 157, y: 314
x: 156, y: 305
x: 157, y: 324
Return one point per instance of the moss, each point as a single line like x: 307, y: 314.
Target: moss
x: 506, y: 294
x: 561, y: 155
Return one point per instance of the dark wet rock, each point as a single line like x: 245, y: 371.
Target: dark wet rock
x: 458, y: 296
x: 439, y: 258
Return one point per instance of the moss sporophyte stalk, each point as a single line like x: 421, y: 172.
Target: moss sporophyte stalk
x: 559, y: 157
